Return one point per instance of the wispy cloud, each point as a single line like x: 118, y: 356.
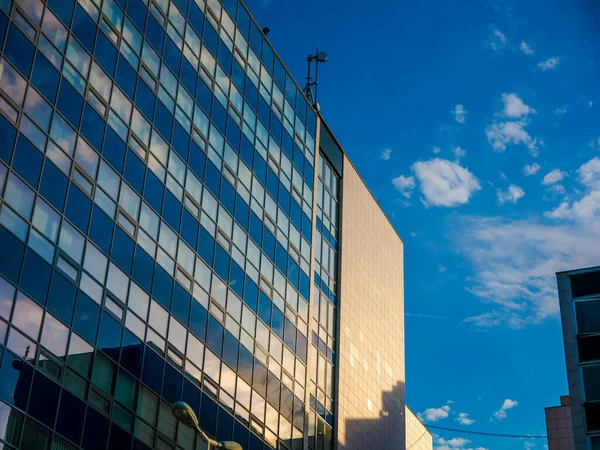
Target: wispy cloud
x: 497, y: 40
x: 386, y: 154
x: 436, y: 150
x: 531, y: 169
x: 405, y: 185
x: 464, y: 419
x: 435, y: 414
x: 460, y: 114
x: 503, y: 411
x: 561, y: 111
x: 550, y: 63
x: 553, y: 176
x: 458, y: 153
x: 511, y: 195
x: 456, y: 443
x: 526, y: 48
x: 512, y: 130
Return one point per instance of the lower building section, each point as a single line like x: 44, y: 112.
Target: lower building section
x: 418, y: 437
x: 559, y: 426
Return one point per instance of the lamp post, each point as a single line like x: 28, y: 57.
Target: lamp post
x: 185, y: 414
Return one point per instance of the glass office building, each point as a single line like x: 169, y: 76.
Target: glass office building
x: 170, y: 229
x: 579, y: 294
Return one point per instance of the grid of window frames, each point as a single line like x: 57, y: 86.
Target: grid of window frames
x: 156, y: 176
x: 587, y: 314
x: 322, y: 356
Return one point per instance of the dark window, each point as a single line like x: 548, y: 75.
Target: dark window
x: 264, y: 308
x: 153, y: 191
x: 92, y: 127
x: 87, y: 314
x: 242, y: 212
x: 78, y: 208
x: 225, y: 59
x: 45, y: 77
x: 69, y: 103
x: 28, y: 161
x: 236, y: 279
x: 114, y: 149
x: 172, y: 210
x: 137, y: 11
x: 180, y: 306
x: 589, y: 348
x: 245, y: 364
x: 222, y: 263
x: 163, y: 121
x: 43, y: 402
x: 585, y: 284
x: 135, y: 170
x: 251, y: 293
x: 204, y: 96
x: 132, y: 353
x: 162, y: 287
x: 290, y: 334
x: 122, y: 252
x: 84, y: 28
x: 212, y: 179
x: 591, y: 382
x: 109, y: 336
x: 61, y: 298
x: 145, y: 100
x: 277, y: 321
x: 143, y: 269
x: 8, y: 133
x: 214, y: 335
x: 256, y: 37
x: 199, y: 320
x: 592, y: 416
x: 273, y: 391
x: 588, y: 316
x: 172, y: 384
x: 35, y: 436
x: 224, y: 426
x: 191, y: 395
x: 196, y: 18
x: 12, y: 255
x: 16, y: 378
x: 230, y: 350
x: 208, y: 412
x: 106, y: 54
x: 188, y: 76
x: 96, y: 430
x: 181, y: 141
x: 259, y: 381
x: 63, y: 9
x: 219, y: 116
x: 70, y: 416
x: 172, y: 56
x: 206, y: 246
x: 101, y: 230
x: 227, y: 197
x: 155, y: 34
x: 126, y: 77
x: 19, y: 50
x: 189, y: 228
x: 210, y: 38
x: 153, y: 370
x: 197, y: 160
x: 35, y: 277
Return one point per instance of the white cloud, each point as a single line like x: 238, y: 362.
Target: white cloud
x: 414, y: 233
x: 590, y: 103
x: 498, y: 40
x: 460, y: 114
x: 464, y: 419
x: 514, y: 261
x: 502, y: 412
x: 561, y: 111
x: 528, y: 445
x: 501, y: 134
x: 442, y: 269
x: 436, y: 150
x: 514, y: 107
x: 531, y: 169
x: 458, y: 153
x: 550, y: 63
x: 512, y: 194
x: 405, y: 185
x: 435, y: 414
x: 444, y: 183
x: 454, y: 442
x: 589, y: 173
x: 386, y: 154
x: 553, y: 176
x: 526, y: 48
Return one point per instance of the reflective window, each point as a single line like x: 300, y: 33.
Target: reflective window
x: 55, y: 336
x: 27, y: 315
x: 38, y: 109
x: 46, y: 219
x: 71, y: 241
x: 19, y: 196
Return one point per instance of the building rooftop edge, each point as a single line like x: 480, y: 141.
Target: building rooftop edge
x: 413, y: 413
x: 582, y: 269
x: 324, y: 123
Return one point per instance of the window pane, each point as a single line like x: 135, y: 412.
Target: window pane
x: 86, y: 157
x: 27, y: 315
x: 46, y: 219
x: 19, y: 196
x: 54, y: 336
x: 7, y: 295
x: 71, y: 242
x: 12, y: 83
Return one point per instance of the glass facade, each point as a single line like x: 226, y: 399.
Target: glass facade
x: 157, y: 167
x: 585, y: 291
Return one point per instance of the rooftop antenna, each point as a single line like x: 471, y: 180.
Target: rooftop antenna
x: 317, y: 57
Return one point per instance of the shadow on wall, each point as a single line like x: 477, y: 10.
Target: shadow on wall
x: 387, y: 432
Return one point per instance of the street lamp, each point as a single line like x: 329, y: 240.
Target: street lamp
x: 185, y: 414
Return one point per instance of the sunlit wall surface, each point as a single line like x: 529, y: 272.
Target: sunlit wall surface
x: 157, y: 168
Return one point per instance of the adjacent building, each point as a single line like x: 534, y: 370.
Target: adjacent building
x: 178, y: 223
x: 418, y: 437
x: 579, y: 295
x: 559, y: 426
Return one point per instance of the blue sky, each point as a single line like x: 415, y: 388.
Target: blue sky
x: 475, y: 123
